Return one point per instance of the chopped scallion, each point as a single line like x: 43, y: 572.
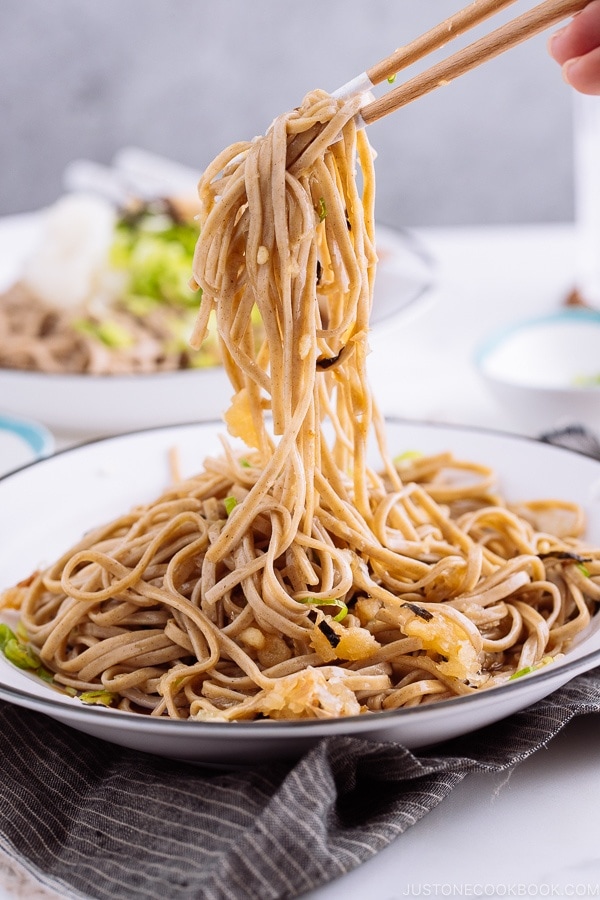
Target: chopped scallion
x: 20, y: 655
x: 526, y: 670
x: 100, y: 698
x: 407, y: 455
x: 6, y: 635
x: 329, y: 601
x: 230, y: 504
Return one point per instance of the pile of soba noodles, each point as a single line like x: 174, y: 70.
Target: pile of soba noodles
x: 293, y: 578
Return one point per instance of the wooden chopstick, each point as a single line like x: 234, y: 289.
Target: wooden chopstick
x: 436, y: 37
x: 504, y: 38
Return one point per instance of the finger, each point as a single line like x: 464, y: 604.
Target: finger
x: 583, y: 72
x: 579, y: 37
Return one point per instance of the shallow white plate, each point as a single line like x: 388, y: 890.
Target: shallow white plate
x: 98, y: 405
x: 21, y: 442
x: 47, y: 506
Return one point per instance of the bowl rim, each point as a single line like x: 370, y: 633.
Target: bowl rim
x: 37, y: 437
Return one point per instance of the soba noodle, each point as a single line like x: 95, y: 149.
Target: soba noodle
x: 293, y: 577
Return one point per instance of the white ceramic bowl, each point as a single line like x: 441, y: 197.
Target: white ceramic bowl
x: 49, y: 505
x: 87, y: 405
x: 545, y: 371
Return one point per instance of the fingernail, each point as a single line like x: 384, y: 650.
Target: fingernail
x: 556, y: 35
x: 567, y: 68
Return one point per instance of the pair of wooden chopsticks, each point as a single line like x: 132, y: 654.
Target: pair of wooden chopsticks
x: 515, y: 32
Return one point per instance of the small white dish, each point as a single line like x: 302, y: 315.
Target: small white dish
x: 545, y: 371
x: 22, y: 442
x: 46, y: 507
x: 91, y: 405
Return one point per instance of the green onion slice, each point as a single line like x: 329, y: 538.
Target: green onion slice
x: 21, y: 655
x: 99, y: 698
x: 6, y: 635
x: 329, y: 601
x: 408, y: 455
x: 230, y: 504
x: 527, y: 670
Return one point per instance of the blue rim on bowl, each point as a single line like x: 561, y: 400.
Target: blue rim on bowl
x: 35, y: 436
x: 493, y: 341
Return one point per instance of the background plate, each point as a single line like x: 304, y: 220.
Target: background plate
x: 90, y: 405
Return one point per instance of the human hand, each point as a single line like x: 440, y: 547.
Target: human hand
x: 576, y: 47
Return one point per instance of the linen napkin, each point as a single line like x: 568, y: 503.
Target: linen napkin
x: 82, y: 818
x: 91, y: 820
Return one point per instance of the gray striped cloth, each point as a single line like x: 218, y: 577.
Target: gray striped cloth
x: 91, y: 820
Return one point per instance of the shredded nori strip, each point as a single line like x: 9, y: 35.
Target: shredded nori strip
x: 565, y: 555
x: 332, y: 636
x: 419, y: 611
x: 327, y: 363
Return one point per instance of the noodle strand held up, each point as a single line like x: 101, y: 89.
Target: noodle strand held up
x: 291, y: 578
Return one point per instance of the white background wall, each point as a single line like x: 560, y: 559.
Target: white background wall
x: 82, y: 78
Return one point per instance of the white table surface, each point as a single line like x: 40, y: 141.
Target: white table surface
x: 534, y: 832
x: 487, y: 278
